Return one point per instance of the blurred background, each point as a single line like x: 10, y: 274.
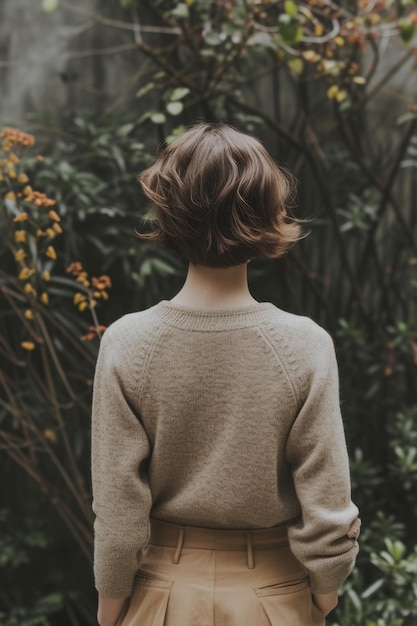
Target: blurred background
x: 89, y: 89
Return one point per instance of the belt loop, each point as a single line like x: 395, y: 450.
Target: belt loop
x: 249, y: 548
x: 180, y: 541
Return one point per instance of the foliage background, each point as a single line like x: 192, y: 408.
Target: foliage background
x: 331, y: 90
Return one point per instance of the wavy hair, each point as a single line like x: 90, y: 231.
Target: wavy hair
x: 219, y: 199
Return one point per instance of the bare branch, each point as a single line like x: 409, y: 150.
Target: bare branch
x: 99, y: 19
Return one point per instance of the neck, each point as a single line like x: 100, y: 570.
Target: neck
x: 215, y: 287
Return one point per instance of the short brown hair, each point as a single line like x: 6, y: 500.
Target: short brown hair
x: 219, y: 199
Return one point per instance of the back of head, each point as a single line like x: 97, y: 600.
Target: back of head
x: 219, y: 199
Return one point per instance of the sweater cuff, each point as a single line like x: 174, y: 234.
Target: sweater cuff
x: 335, y: 574
x: 109, y: 588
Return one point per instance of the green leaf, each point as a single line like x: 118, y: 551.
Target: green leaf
x: 213, y: 38
x: 290, y: 7
x: 355, y: 599
x: 181, y: 11
x: 158, y: 118
x: 406, y: 117
x: 144, y: 90
x: 49, y: 6
x: 179, y: 130
x: 175, y: 108
x: 291, y: 32
x: 296, y: 66
x: 407, y: 30
x: 261, y: 39
x: 373, y: 588
x: 179, y: 93
x: 125, y: 129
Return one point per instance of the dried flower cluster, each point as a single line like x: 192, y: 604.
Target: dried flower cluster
x: 34, y: 226
x: 95, y: 288
x: 35, y: 223
x: 14, y: 137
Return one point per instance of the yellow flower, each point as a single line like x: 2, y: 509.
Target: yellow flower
x: 50, y: 252
x: 57, y: 228
x: 46, y: 276
x: 79, y: 297
x: 20, y: 236
x: 23, y: 178
x: 26, y: 273
x: 29, y: 289
x: 339, y: 41
x: 27, y: 190
x: 74, y: 268
x: 44, y: 298
x: 1, y: 176
x: 40, y: 233
x: 82, y: 306
x: 50, y: 435
x: 53, y: 215
x: 20, y: 255
x: 22, y: 217
x: 11, y: 172
x: 332, y: 92
x: 13, y: 158
x: 311, y: 56
x: 341, y: 95
x: 359, y: 80
x: 97, y: 294
x: 28, y: 345
x: 51, y: 233
x: 11, y: 196
x: 29, y: 314
x: 318, y: 29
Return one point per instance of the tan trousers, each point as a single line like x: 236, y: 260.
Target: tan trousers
x: 193, y: 576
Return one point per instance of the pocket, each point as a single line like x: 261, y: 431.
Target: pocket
x: 288, y: 604
x: 148, y: 602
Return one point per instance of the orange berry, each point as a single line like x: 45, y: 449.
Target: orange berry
x: 50, y: 252
x: 22, y: 217
x: 28, y: 345
x: 53, y: 215
x: 20, y: 236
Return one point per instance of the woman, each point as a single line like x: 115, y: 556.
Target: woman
x: 220, y: 473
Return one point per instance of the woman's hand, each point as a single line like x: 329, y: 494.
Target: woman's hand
x: 110, y: 609
x: 326, y: 602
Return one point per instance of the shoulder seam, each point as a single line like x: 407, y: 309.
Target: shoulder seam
x: 290, y: 382
x: 147, y: 360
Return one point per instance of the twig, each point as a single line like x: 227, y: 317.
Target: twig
x: 137, y: 30
x: 391, y: 72
x: 324, y: 38
x: 99, y: 19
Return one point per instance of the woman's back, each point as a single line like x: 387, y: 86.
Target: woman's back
x: 235, y: 419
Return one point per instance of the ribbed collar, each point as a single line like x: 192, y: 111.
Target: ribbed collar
x: 190, y: 318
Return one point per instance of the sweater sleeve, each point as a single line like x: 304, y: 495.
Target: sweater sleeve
x: 121, y: 493
x: 324, y: 538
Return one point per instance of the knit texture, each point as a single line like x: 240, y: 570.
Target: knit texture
x: 222, y: 419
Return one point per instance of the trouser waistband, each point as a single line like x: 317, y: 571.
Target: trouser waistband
x: 183, y: 536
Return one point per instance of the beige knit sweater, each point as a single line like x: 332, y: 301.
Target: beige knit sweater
x: 224, y: 419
